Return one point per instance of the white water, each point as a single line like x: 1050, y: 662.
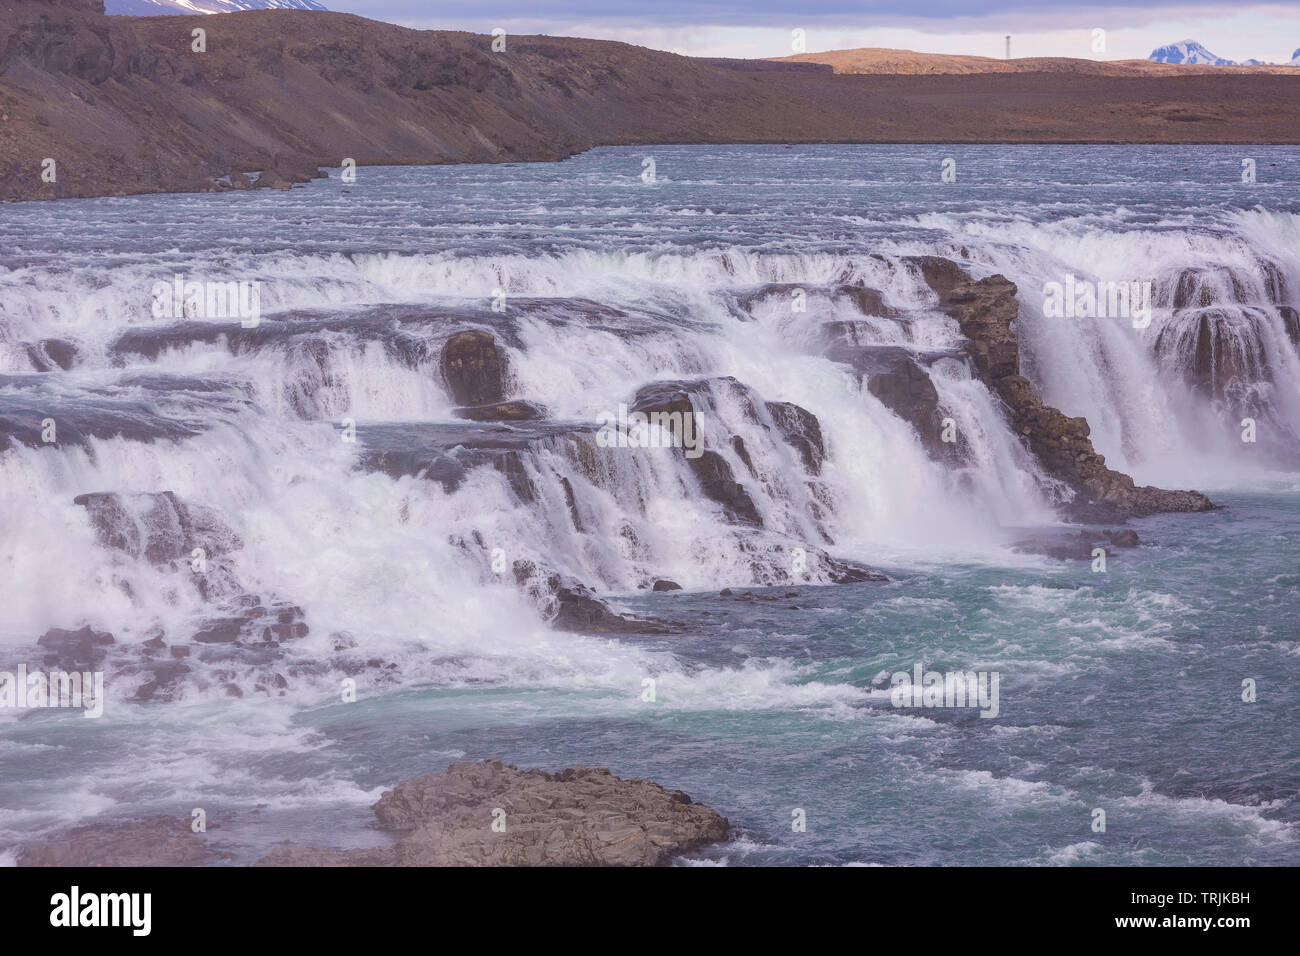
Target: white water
x: 584, y: 326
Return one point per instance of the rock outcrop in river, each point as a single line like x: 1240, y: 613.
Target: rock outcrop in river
x: 986, y: 310
x: 490, y: 814
x: 471, y: 814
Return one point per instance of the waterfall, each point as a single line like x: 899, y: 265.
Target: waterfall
x: 324, y: 438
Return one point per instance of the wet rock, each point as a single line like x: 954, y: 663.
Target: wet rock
x: 738, y: 446
x: 801, y: 431
x: 255, y: 625
x: 50, y: 354
x: 572, y: 606
x: 1124, y: 538
x: 289, y: 625
x: 713, y: 472
x: 577, y: 817
x: 446, y: 453
x: 1216, y: 349
x: 670, y: 398
x: 1201, y: 287
x: 1077, y: 545
x: 148, y: 841
x: 718, y: 482
x: 71, y: 650
x: 986, y: 312
x: 272, y: 179
x: 906, y: 389
x: 867, y: 300
x: 474, y: 367
x: 511, y: 464
x: 578, y: 609
x: 849, y: 572
x: 513, y: 411
x: 164, y: 681
x: 1291, y: 322
x: 221, y: 631
x: 571, y: 501
x: 665, y: 585
x: 1061, y: 547
x: 161, y: 528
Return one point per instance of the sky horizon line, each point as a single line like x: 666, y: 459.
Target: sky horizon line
x: 734, y: 28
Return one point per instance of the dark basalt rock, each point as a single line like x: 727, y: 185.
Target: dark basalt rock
x: 868, y: 301
x: 906, y: 389
x: 73, y: 650
x: 573, y: 606
x: 986, y: 312
x: 801, y: 431
x: 666, y: 585
x: 511, y: 464
x: 571, y: 502
x: 255, y: 624
x: 164, y: 681
x: 668, y: 397
x: 474, y: 368
x: 161, y: 528
x: 50, y: 354
x: 1225, y: 345
x: 711, y: 470
x: 224, y: 630
x: 1123, y: 538
x: 718, y: 482
x: 1291, y: 320
x: 513, y: 411
x: 850, y: 572
x: 1201, y: 287
x: 446, y: 453
x: 738, y: 446
x: 1077, y: 546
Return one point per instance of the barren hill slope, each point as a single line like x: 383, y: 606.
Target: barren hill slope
x: 123, y: 105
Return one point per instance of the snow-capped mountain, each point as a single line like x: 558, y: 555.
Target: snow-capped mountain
x: 153, y: 8
x: 1188, y: 51
x: 1295, y: 58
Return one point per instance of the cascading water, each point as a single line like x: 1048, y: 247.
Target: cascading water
x: 772, y: 297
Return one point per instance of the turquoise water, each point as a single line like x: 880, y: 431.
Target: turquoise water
x: 1119, y: 691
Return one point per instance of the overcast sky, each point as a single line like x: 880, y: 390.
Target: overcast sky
x: 753, y: 28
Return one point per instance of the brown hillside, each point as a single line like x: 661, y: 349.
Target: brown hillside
x: 123, y: 105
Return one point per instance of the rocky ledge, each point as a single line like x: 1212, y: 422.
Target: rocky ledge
x: 493, y: 814
x: 149, y: 841
x: 471, y: 814
x: 986, y: 311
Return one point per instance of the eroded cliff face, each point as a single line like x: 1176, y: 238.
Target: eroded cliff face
x: 126, y: 105
x: 986, y: 311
